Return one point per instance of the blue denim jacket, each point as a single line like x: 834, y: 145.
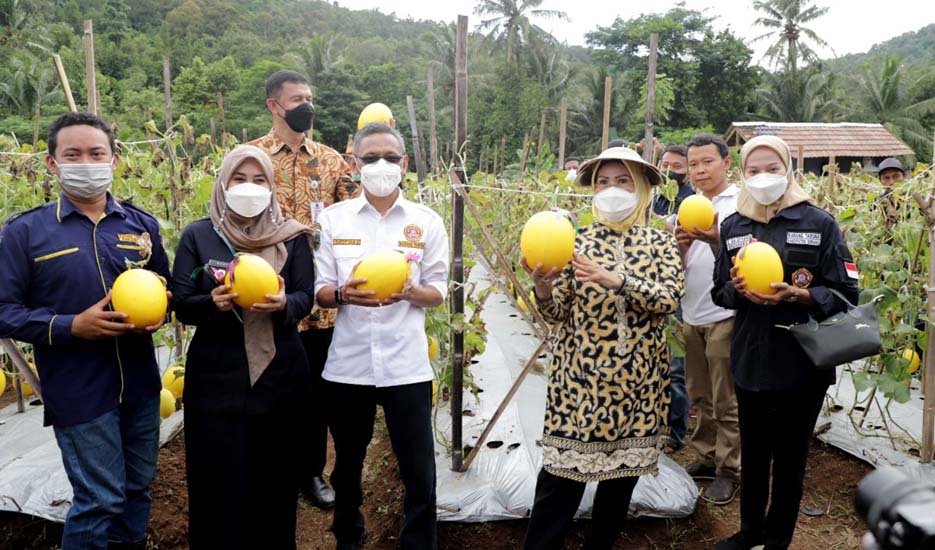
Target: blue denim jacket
x: 54, y: 264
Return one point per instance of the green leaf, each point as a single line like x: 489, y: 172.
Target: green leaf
x: 862, y: 381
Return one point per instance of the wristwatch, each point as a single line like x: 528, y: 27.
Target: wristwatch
x: 339, y: 297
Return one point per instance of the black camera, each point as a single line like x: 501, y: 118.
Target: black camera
x: 899, y: 512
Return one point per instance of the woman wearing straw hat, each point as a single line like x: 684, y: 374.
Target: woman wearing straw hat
x: 244, y: 367
x: 608, y: 390
x: 779, y: 390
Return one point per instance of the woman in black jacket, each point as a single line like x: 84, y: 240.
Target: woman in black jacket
x: 779, y: 390
x: 244, y: 367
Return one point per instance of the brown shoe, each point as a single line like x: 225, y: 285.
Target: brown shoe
x: 721, y: 491
x: 699, y: 470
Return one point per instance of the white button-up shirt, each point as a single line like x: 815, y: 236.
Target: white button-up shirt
x: 382, y: 346
x: 697, y: 306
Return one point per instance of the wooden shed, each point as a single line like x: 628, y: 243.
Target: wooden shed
x: 846, y: 142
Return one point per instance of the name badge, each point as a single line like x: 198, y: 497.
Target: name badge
x: 317, y: 208
x: 807, y: 239
x: 734, y: 243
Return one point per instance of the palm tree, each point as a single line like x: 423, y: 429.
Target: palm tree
x: 508, y: 22
x: 804, y: 96
x: 786, y: 21
x: 318, y: 55
x: 29, y: 85
x: 886, y: 98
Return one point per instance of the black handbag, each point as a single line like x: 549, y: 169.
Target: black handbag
x: 843, y: 337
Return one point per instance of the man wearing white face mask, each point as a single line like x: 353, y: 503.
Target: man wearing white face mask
x: 379, y: 354
x: 708, y: 329
x: 100, y: 382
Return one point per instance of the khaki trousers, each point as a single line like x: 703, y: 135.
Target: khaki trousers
x: 711, y: 390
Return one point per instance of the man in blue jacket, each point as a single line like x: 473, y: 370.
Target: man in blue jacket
x: 100, y: 382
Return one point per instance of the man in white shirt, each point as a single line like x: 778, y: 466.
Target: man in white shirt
x: 708, y: 328
x: 379, y: 354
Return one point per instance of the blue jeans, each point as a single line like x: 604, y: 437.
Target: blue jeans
x: 110, y: 462
x: 678, y: 408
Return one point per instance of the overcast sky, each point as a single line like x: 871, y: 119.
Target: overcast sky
x: 851, y: 26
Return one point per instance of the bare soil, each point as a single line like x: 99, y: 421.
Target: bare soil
x: 830, y: 484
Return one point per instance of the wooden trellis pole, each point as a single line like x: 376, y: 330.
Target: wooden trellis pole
x: 648, y: 149
x: 605, y: 132
x: 167, y: 90
x: 433, y: 132
x: 416, y: 142
x: 23, y: 367
x: 928, y: 374
x: 91, y: 78
x: 457, y: 248
x: 562, y: 128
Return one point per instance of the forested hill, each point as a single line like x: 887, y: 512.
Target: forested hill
x: 917, y: 48
x: 517, y: 72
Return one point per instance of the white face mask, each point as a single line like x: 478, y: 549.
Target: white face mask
x: 380, y: 178
x: 615, y: 204
x: 86, y: 181
x: 248, y: 199
x: 766, y: 188
x: 571, y: 175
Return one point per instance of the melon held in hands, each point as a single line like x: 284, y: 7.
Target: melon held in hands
x: 141, y: 294
x: 385, y: 272
x: 251, y: 278
x: 548, y: 238
x: 760, y: 266
x: 696, y: 211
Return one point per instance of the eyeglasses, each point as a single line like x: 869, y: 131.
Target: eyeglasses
x: 391, y: 158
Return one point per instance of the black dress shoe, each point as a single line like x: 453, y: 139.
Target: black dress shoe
x: 319, y: 493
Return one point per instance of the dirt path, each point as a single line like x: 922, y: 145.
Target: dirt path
x: 831, y: 481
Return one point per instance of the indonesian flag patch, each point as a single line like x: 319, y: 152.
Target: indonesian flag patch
x: 851, y: 269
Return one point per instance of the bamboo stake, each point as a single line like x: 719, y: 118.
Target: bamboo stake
x: 457, y: 248
x: 502, y: 154
x: 800, y: 161
x: 605, y: 133
x: 63, y: 78
x: 91, y: 79
x: 523, y: 157
x: 35, y: 131
x: 541, y: 132
x: 503, y: 404
x: 562, y: 128
x: 167, y: 90
x: 433, y: 132
x: 416, y: 143
x: 649, y: 151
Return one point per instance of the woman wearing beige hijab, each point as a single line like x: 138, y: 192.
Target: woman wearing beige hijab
x: 243, y: 367
x: 608, y: 394
x: 779, y: 390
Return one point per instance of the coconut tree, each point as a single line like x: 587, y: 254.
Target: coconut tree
x: 508, y: 24
x: 810, y: 95
x: 317, y: 55
x: 785, y: 21
x: 891, y: 96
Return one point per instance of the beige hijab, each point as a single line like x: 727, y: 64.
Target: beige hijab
x: 262, y: 235
x: 746, y: 205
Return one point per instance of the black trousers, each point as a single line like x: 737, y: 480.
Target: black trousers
x: 557, y: 499
x: 408, y: 412
x: 775, y: 431
x: 242, y: 476
x: 315, y: 437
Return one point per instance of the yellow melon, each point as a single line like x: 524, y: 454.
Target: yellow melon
x: 141, y: 294
x: 174, y: 380
x: 548, y: 238
x: 2, y: 382
x: 914, y: 362
x: 26, y: 386
x: 386, y: 273
x: 375, y: 112
x: 166, y: 403
x: 433, y: 348
x: 251, y: 278
x: 760, y: 266
x: 696, y: 211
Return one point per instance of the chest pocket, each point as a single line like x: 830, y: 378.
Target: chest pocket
x: 802, y: 248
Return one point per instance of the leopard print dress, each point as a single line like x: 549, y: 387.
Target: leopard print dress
x: 608, y: 391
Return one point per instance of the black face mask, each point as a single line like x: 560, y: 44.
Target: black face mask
x: 678, y: 178
x: 300, y: 119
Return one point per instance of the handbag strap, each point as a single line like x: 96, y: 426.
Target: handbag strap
x: 850, y: 306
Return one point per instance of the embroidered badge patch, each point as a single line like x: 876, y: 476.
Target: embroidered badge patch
x: 808, y: 239
x: 347, y: 242
x: 413, y: 232
x: 734, y: 243
x: 802, y: 278
x: 851, y: 269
